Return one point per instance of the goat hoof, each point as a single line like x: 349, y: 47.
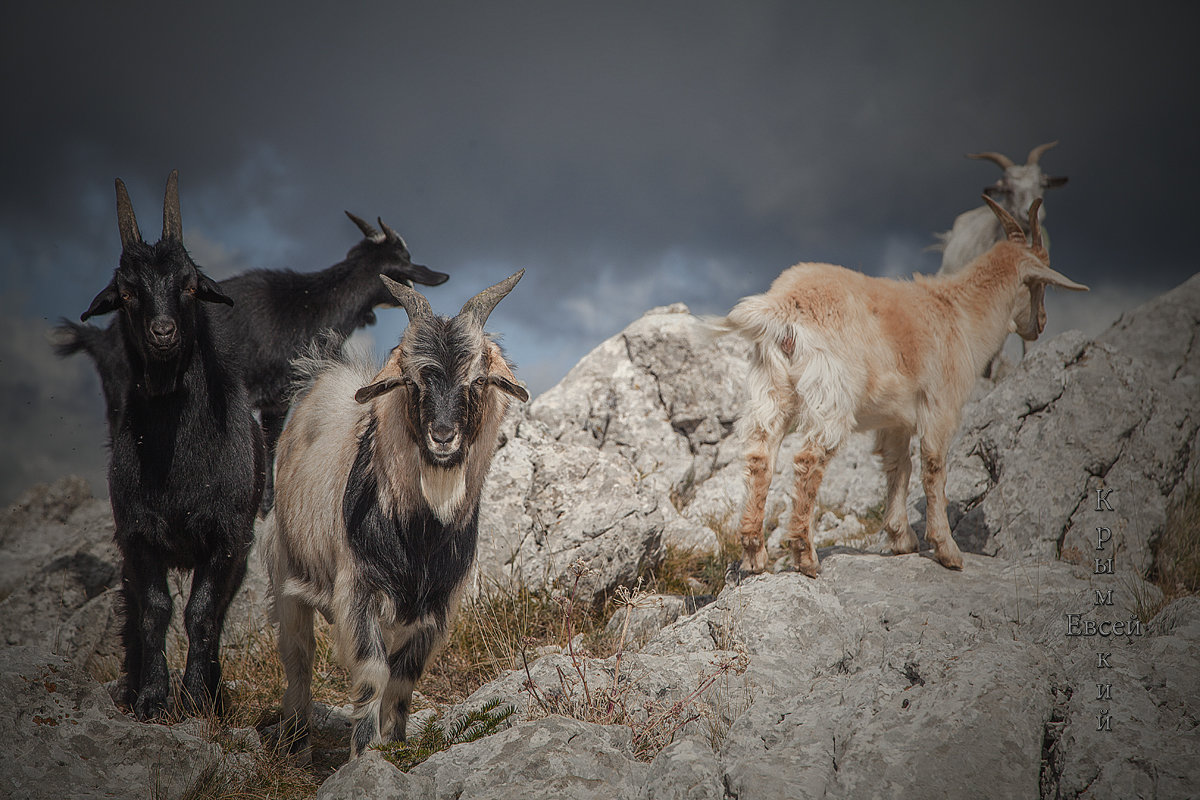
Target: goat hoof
x: 810, y: 568
x: 951, y: 560
x: 904, y: 543
x: 150, y: 708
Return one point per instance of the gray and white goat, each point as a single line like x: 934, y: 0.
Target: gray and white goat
x: 376, y: 516
x: 975, y: 231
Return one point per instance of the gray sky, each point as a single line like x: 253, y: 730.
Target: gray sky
x: 626, y: 154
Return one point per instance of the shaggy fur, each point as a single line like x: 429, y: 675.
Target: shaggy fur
x: 836, y: 351
x: 277, y: 314
x: 186, y: 470
x: 377, y: 513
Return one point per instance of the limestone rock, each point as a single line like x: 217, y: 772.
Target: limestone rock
x: 372, y: 777
x: 555, y: 758
x: 74, y: 743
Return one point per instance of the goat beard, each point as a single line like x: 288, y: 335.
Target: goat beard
x: 444, y: 489
x: 161, y: 378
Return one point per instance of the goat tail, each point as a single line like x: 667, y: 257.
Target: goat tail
x: 69, y: 338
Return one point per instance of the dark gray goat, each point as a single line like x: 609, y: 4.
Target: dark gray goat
x: 377, y: 517
x: 277, y: 314
x: 185, y: 474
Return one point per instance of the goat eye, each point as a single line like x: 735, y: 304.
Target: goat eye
x: 126, y: 296
x: 191, y: 290
x: 481, y: 381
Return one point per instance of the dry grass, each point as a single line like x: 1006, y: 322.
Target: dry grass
x: 1177, y: 554
x: 492, y: 631
x: 254, y: 684
x: 504, y: 628
x: 607, y: 696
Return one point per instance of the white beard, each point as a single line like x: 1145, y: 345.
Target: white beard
x: 444, y: 490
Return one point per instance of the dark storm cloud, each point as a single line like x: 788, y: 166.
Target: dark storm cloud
x: 628, y: 155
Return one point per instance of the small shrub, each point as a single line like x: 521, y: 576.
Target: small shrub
x: 433, y: 738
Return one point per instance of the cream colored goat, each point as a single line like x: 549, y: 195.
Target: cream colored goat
x: 837, y: 351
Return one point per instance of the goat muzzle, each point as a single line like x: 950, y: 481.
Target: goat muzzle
x: 443, y: 442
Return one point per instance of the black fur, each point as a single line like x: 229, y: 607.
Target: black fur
x: 442, y: 399
x: 186, y: 469
x: 278, y: 313
x: 415, y: 560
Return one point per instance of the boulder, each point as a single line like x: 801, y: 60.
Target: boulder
x: 546, y: 759
x: 73, y: 742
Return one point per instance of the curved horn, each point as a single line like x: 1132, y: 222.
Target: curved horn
x: 1035, y: 229
x: 997, y: 158
x: 391, y: 233
x: 480, y: 306
x: 1011, y: 229
x: 172, y: 224
x: 1036, y: 152
x: 126, y: 221
x: 412, y: 301
x: 367, y: 229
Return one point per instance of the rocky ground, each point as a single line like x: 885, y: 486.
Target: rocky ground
x: 887, y: 676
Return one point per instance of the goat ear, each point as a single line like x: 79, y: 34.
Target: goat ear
x: 1054, y: 181
x: 208, y: 290
x: 373, y: 390
x: 389, y: 377
x: 108, y: 300
x: 501, y: 376
x: 514, y: 388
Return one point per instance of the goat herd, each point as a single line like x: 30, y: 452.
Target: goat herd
x: 372, y: 499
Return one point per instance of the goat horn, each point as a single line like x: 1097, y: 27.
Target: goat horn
x: 367, y: 229
x: 126, y: 221
x: 1036, y: 152
x: 1011, y: 229
x: 391, y: 233
x: 172, y: 224
x: 998, y: 158
x: 413, y: 301
x: 480, y: 306
x: 1035, y: 229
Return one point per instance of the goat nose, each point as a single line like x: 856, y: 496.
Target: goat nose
x: 162, y: 327
x: 442, y: 434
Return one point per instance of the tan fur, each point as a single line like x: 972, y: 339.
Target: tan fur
x: 305, y: 548
x: 876, y: 354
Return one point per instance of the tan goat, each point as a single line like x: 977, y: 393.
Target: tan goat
x: 836, y: 351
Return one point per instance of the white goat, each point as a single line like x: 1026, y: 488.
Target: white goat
x: 377, y: 508
x: 837, y: 351
x: 977, y: 230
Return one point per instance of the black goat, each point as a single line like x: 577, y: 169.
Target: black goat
x: 185, y: 474
x: 277, y: 314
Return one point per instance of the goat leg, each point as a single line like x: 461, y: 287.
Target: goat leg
x: 937, y: 525
x: 369, y: 672
x: 891, y: 444
x: 759, y: 465
x: 214, y: 584
x: 297, y: 646
x: 809, y: 465
x: 406, y: 664
x: 148, y: 610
